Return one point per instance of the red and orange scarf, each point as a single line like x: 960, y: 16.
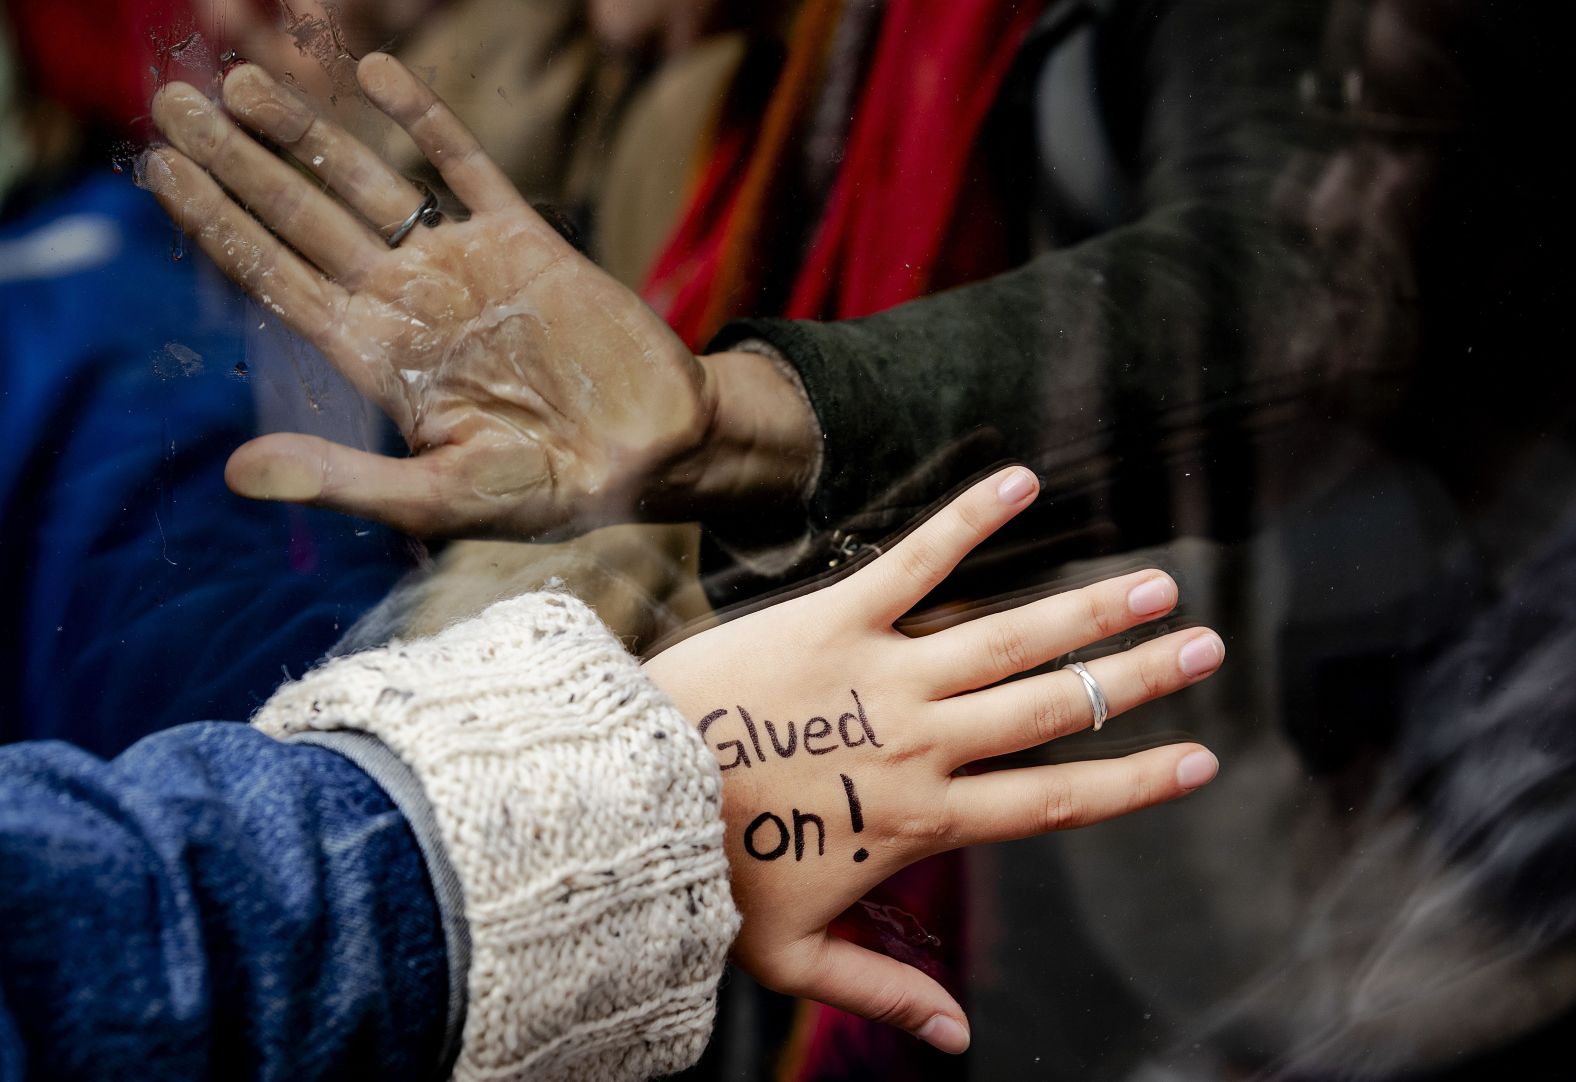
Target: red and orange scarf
x: 906, y: 214
x: 909, y: 212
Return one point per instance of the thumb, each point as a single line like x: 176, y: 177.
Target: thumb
x: 405, y: 493
x: 883, y: 989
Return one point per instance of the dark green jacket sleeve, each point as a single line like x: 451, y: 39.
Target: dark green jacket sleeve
x: 1233, y: 304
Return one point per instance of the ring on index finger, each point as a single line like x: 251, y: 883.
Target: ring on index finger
x: 1097, y: 700
x: 426, y: 214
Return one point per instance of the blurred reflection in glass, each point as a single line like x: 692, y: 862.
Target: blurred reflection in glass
x: 1263, y: 292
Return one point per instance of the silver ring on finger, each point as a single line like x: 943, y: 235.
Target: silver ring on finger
x: 427, y: 214
x: 1097, y: 700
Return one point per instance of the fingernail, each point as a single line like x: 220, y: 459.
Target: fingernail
x: 1197, y: 768
x: 944, y: 1033
x: 1156, y: 595
x: 1203, y: 655
x: 1016, y: 487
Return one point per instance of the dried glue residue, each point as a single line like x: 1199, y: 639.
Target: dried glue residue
x: 176, y: 359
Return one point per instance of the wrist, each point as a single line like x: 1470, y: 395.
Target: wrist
x: 613, y: 956
x: 760, y: 446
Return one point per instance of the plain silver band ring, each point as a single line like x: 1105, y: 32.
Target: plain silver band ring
x: 426, y: 214
x: 1102, y: 709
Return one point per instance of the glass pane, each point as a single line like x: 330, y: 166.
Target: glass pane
x: 1267, y: 294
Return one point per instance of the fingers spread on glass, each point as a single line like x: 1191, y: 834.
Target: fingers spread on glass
x: 238, y: 243
x: 1007, y: 643
x: 415, y: 495
x: 871, y: 985
x: 309, y: 220
x: 356, y: 174
x: 1010, y: 804
x: 544, y: 396
x: 921, y: 561
x: 1034, y: 711
x: 839, y: 757
x: 445, y: 140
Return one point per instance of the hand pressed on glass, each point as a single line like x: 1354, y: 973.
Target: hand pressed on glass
x: 840, y: 741
x: 537, y: 394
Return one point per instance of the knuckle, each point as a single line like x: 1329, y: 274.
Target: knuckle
x: 209, y: 136
x: 1147, y: 789
x: 931, y: 832
x: 1058, y: 807
x: 1154, y: 680
x: 1052, y: 717
x: 353, y: 174
x: 229, y: 157
x: 306, y: 132
x: 206, y: 219
x: 1097, y: 613
x: 283, y: 205
x: 298, y: 125
x: 916, y: 559
x: 1008, y: 648
x: 935, y: 834
x: 428, y: 112
x: 907, y: 748
x: 201, y: 192
x: 466, y: 152
x: 971, y: 517
x: 1142, y: 788
x: 893, y: 1005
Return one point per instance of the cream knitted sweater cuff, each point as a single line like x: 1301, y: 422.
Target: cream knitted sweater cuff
x: 583, y: 816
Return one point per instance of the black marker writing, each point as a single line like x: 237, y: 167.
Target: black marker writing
x: 749, y: 723
x: 782, y: 837
x: 815, y: 729
x: 799, y: 820
x: 856, y: 813
x: 740, y: 755
x: 816, y: 737
x: 864, y: 722
x: 771, y: 733
x: 842, y: 730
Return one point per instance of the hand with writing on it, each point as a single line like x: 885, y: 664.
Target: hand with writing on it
x: 840, y: 739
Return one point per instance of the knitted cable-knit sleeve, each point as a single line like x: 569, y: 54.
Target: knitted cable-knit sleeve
x: 583, y: 817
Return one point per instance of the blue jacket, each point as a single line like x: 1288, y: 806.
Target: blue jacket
x: 145, y: 594
x: 215, y: 904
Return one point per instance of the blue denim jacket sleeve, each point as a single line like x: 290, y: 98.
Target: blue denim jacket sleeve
x: 212, y: 904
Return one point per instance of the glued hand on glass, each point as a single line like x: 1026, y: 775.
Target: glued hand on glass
x: 841, y: 742
x: 538, y: 395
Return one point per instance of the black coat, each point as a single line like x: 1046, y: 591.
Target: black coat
x: 1315, y: 372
